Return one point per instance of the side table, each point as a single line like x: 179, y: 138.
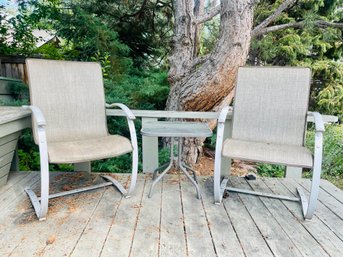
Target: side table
x: 179, y: 130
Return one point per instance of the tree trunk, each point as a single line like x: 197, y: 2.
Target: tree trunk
x: 206, y: 83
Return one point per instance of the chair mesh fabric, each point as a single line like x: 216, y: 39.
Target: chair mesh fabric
x: 290, y: 155
x: 270, y: 104
x: 89, y: 149
x: 71, y: 97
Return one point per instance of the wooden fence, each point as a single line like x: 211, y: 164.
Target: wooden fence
x: 13, y: 67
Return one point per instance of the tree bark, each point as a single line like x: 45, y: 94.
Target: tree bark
x: 207, y: 84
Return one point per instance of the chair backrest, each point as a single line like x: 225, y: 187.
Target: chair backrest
x: 71, y: 97
x: 271, y: 104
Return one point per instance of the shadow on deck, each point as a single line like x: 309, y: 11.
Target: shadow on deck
x: 171, y: 223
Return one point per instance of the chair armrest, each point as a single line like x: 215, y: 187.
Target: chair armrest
x: 223, y: 113
x: 318, y: 121
x: 37, y: 115
x: 39, y: 131
x: 125, y: 109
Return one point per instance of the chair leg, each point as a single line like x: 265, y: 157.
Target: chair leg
x: 41, y: 206
x: 134, y: 170
x: 309, y: 205
x: 219, y: 182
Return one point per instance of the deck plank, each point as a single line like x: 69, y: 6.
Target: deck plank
x: 122, y: 231
x: 199, y: 241
x: 14, y: 177
x: 97, y: 229
x: 253, y: 243
x: 172, y: 241
x: 325, y: 198
x: 325, y: 214
x: 332, y: 190
x: 67, y: 218
x: 318, y: 230
x: 224, y: 236
x: 289, y: 223
x: 267, y: 224
x: 147, y: 235
x: 12, y: 211
x: 16, y: 192
x: 172, y: 223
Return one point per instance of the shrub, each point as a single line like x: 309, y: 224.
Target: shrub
x: 332, y: 167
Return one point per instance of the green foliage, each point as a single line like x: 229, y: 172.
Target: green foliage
x: 109, y: 32
x: 270, y: 170
x: 332, y: 167
x: 15, y: 33
x: 321, y: 49
x: 209, y: 35
x: 139, y: 90
x: 121, y: 164
x: 144, y: 26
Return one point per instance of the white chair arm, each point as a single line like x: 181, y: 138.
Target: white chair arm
x: 37, y: 115
x: 223, y: 113
x: 125, y: 109
x: 318, y: 121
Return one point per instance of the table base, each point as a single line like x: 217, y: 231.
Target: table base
x: 178, y: 162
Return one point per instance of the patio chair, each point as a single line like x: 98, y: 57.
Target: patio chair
x: 69, y: 123
x: 269, y: 124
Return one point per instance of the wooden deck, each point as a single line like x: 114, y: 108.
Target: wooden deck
x: 172, y: 223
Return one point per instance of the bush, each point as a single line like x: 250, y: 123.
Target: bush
x: 270, y: 170
x: 332, y: 167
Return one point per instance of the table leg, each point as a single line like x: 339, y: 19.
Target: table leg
x: 157, y: 179
x: 183, y: 169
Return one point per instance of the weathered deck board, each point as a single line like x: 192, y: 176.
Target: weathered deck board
x: 199, y: 239
x: 326, y: 215
x: 325, y: 198
x: 97, y: 229
x: 223, y: 234
x: 172, y: 240
x: 253, y: 243
x: 147, y: 234
x: 290, y: 224
x: 273, y: 233
x: 122, y: 231
x: 332, y: 190
x: 171, y: 223
x: 317, y: 229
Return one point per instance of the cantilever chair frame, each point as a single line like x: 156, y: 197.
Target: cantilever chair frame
x: 74, y: 129
x: 40, y: 204
x: 308, y: 205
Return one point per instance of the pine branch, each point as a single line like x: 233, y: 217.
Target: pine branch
x: 272, y: 17
x: 209, y: 15
x: 300, y: 24
x: 135, y: 13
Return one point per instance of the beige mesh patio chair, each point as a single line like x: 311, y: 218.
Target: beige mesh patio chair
x: 69, y: 123
x: 269, y: 124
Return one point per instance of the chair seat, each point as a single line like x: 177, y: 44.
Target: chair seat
x: 89, y: 149
x: 291, y: 155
